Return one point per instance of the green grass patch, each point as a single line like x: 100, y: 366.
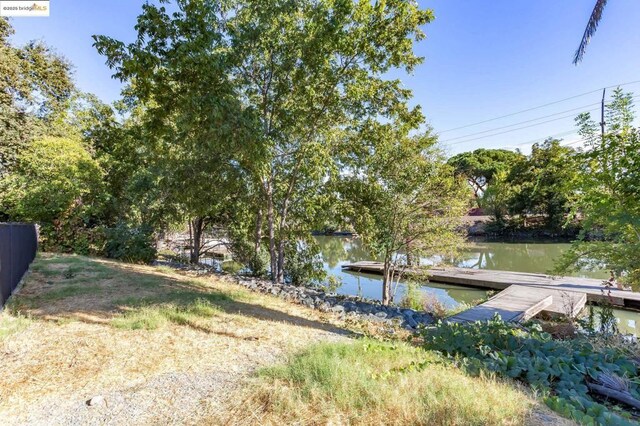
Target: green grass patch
x: 134, y: 299
x: 68, y: 291
x: 71, y: 268
x: 151, y: 317
x: 179, y: 298
x: 11, y: 324
x: 165, y: 269
x: 369, y: 382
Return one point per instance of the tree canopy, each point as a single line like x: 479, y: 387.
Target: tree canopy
x: 35, y: 86
x: 543, y: 182
x: 609, y: 184
x: 404, y: 200
x: 267, y: 91
x: 480, y: 167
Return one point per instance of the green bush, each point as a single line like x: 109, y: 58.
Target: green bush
x: 413, y: 297
x: 244, y: 253
x: 130, y: 244
x: 560, y: 370
x: 70, y: 234
x: 303, y: 264
x: 55, y: 179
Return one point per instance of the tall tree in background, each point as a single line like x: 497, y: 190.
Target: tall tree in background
x: 481, y: 166
x: 542, y: 184
x: 35, y: 85
x: 589, y: 31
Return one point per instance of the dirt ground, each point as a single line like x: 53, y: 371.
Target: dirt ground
x: 66, y: 352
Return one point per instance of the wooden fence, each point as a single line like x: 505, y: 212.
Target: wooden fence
x: 18, y: 246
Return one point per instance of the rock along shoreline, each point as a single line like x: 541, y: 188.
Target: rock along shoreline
x: 316, y: 298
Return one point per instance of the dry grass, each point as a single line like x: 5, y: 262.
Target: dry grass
x: 72, y: 336
x: 374, y: 383
x: 167, y: 348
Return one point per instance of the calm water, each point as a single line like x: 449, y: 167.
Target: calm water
x: 521, y: 257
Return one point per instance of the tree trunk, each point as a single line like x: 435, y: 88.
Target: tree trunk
x: 273, y: 256
x: 196, y: 227
x: 281, y: 244
x: 258, y: 234
x: 280, y: 274
x: 386, y: 282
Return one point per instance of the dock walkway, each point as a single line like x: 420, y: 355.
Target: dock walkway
x: 514, y: 304
x: 526, y: 290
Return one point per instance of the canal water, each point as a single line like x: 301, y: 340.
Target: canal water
x: 533, y: 257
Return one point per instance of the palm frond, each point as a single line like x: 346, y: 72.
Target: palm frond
x: 592, y: 26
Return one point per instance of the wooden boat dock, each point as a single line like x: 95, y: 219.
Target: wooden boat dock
x: 523, y: 295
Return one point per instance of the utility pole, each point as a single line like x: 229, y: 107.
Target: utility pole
x: 602, y: 114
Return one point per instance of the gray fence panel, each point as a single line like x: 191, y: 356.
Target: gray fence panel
x: 18, y: 247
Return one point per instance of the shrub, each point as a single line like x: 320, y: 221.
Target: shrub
x: 561, y: 370
x: 244, y: 253
x: 130, y: 244
x: 53, y: 177
x: 413, y: 297
x: 303, y: 264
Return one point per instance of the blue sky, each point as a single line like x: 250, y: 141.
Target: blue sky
x: 483, y: 59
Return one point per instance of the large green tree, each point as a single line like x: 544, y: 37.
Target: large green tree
x: 609, y: 184
x: 35, y: 86
x: 310, y: 69
x: 193, y: 123
x: 542, y: 184
x: 480, y: 167
x: 279, y: 81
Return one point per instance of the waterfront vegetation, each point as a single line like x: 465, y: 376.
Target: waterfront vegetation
x: 256, y: 123
x: 589, y: 194
x: 567, y: 374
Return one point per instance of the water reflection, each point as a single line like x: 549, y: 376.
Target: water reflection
x: 337, y: 251
x: 522, y: 257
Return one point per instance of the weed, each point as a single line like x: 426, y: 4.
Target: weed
x: 413, y: 297
x: 370, y: 382
x: 11, y: 324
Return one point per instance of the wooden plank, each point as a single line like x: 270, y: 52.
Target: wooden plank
x: 593, y: 289
x: 512, y: 304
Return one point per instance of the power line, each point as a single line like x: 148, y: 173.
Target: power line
x: 526, y: 121
x: 531, y: 142
x: 538, y: 107
x: 512, y: 130
x: 523, y: 122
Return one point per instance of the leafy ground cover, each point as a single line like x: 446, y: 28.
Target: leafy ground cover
x: 563, y: 372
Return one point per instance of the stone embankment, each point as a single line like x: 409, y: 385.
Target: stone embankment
x: 317, y: 298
